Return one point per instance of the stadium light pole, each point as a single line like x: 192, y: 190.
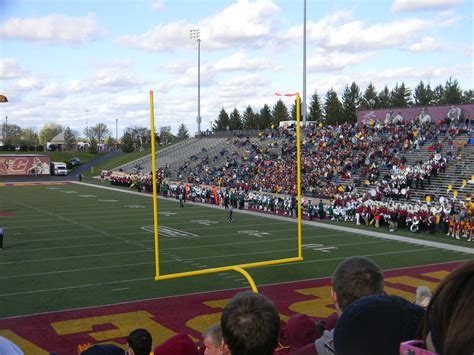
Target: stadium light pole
x: 195, y: 34
x: 116, y: 130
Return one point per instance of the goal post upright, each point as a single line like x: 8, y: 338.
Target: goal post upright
x: 153, y: 172
x: 240, y: 268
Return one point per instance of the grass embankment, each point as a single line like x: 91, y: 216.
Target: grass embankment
x: 117, y: 160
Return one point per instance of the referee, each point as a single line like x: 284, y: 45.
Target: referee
x: 1, y: 238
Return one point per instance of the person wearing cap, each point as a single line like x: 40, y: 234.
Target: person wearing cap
x: 104, y: 349
x: 375, y: 325
x: 354, y: 278
x: 250, y: 325
x: 139, y: 342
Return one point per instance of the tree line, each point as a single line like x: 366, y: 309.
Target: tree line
x: 333, y: 109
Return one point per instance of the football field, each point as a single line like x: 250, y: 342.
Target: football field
x: 69, y: 246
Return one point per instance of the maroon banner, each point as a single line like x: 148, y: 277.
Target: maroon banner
x: 456, y: 113
x: 28, y: 164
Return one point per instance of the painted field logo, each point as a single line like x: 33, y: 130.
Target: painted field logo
x: 169, y: 232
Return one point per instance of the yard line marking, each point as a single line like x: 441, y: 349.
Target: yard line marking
x: 58, y: 216
x: 152, y: 278
x: 121, y: 289
x: 437, y: 245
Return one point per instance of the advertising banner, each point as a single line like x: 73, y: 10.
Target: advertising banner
x: 456, y: 113
x: 27, y: 164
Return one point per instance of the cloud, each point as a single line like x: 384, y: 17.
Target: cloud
x: 243, y: 23
x: 324, y: 60
x: 423, y: 45
x: 27, y: 84
x: 239, y: 61
x: 112, y: 80
x: 411, y: 5
x: 161, y: 38
x: 52, y: 28
x: 340, y: 31
x: 52, y: 90
x: 10, y: 69
x: 241, y: 87
x: 157, y: 5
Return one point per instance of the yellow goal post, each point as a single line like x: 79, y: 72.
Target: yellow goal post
x: 240, y: 268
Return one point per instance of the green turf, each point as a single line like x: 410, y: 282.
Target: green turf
x: 64, y: 249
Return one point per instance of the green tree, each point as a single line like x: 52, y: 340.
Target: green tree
x: 279, y: 113
x: 235, y: 122
x: 384, y: 98
x: 100, y: 131
x: 452, y: 92
x: 350, y: 102
x: 49, y: 131
x: 333, y: 108
x: 249, y: 118
x: 222, y: 122
x: 265, y: 117
x: 423, y: 95
x: 70, y: 137
x: 127, y: 143
x: 293, y: 111
x: 370, y: 99
x: 28, y: 137
x: 93, y: 147
x: 13, y: 134
x: 400, y: 96
x: 183, y: 132
x: 315, y: 112
x: 468, y: 97
x: 439, y: 95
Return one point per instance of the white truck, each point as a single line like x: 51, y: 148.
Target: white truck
x: 58, y: 168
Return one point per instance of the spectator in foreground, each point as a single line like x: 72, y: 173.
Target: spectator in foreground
x: 7, y: 347
x: 212, y: 340
x: 250, y: 325
x: 423, y: 296
x: 354, y: 278
x: 104, y: 349
x: 376, y: 325
x: 447, y: 324
x: 180, y: 344
x: 139, y: 342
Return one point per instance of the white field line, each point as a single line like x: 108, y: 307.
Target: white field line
x: 149, y: 240
x: 191, y: 261
x: 415, y: 241
x: 125, y: 215
x: 151, y: 278
x: 150, y: 250
x: 71, y: 221
x: 212, y: 291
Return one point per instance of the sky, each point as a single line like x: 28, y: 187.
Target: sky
x: 81, y: 62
